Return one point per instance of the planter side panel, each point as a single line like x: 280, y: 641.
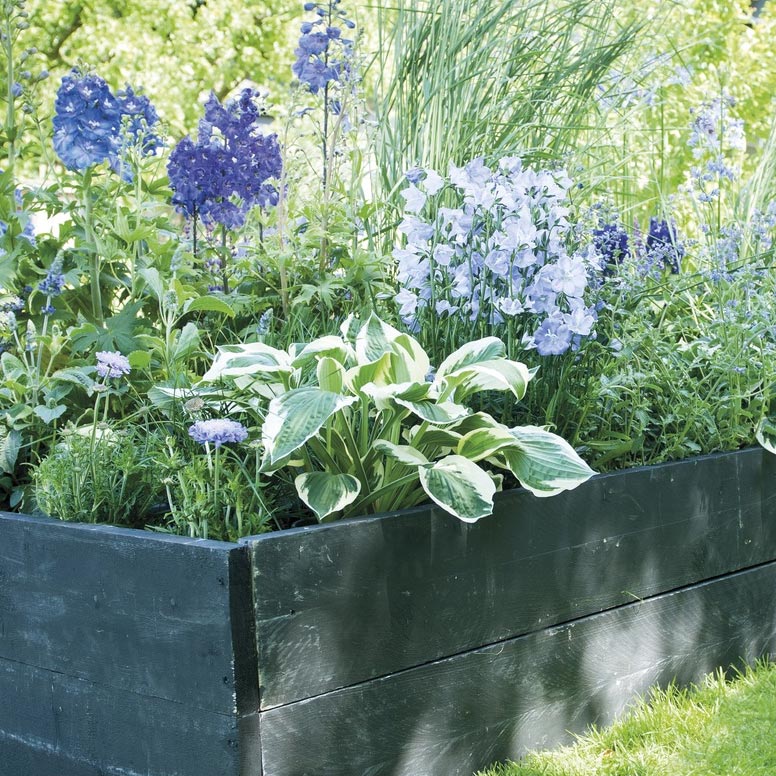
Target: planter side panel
x: 342, y: 604
x: 135, y: 629
x: 452, y: 717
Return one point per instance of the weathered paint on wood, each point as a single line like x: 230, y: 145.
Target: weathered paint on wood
x: 117, y: 645
x: 338, y: 605
x: 454, y: 716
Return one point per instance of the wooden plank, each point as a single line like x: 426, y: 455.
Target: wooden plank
x: 56, y: 725
x: 131, y: 610
x: 341, y: 604
x: 451, y: 717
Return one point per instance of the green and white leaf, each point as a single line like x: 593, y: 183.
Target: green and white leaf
x: 331, y: 346
x: 545, y: 463
x: 437, y: 413
x: 373, y: 339
x: 405, y: 454
x: 331, y: 374
x: 10, y: 444
x: 295, y: 417
x: 766, y: 434
x: 377, y: 372
x: 411, y: 364
x: 484, y: 442
x: 495, y: 375
x: 487, y: 349
x: 254, y: 358
x: 326, y: 494
x: 460, y: 487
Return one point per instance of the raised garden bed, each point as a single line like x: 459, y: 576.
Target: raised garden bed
x: 402, y: 644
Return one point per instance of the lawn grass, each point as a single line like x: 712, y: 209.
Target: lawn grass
x: 720, y: 728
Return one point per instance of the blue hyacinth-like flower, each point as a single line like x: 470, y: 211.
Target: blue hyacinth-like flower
x: 218, y: 432
x: 112, y: 364
x: 316, y: 63
x: 662, y: 244
x: 89, y: 119
x: 54, y: 281
x: 226, y: 172
x: 611, y: 242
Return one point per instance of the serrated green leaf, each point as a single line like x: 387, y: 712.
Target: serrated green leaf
x: 405, y: 454
x: 545, y: 463
x: 460, y: 487
x: 295, y: 417
x: 326, y: 494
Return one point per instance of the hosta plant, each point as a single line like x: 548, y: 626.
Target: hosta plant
x: 370, y: 427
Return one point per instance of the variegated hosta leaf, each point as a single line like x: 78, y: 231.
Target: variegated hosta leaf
x: 411, y: 363
x: 487, y: 349
x: 331, y: 375
x: 253, y: 358
x: 766, y: 434
x: 495, y: 375
x: 460, y: 487
x: 331, y: 346
x: 408, y: 391
x: 377, y: 372
x: 443, y: 413
x: 326, y: 494
x: 374, y: 339
x: 545, y: 463
x: 295, y: 417
x: 484, y: 442
x: 405, y: 454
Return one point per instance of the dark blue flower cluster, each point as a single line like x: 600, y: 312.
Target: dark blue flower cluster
x: 611, y: 242
x: 89, y: 118
x: 227, y: 171
x: 662, y: 244
x: 315, y: 66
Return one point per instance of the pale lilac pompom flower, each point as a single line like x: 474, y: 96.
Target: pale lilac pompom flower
x: 112, y: 364
x: 218, y: 431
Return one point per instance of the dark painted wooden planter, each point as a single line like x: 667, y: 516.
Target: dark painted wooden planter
x: 401, y: 645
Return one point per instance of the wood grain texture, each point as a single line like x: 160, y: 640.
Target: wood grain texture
x: 341, y: 604
x: 57, y: 725
x: 451, y: 717
x: 125, y: 651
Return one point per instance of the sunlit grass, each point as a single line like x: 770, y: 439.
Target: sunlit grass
x: 718, y: 729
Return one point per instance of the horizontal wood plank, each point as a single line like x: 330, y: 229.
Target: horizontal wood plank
x: 451, y: 717
x: 341, y: 604
x: 142, y: 612
x: 57, y: 725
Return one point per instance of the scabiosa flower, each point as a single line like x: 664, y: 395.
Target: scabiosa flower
x: 218, y: 432
x: 228, y: 170
x: 112, y: 364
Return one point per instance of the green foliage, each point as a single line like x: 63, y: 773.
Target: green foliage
x: 360, y: 420
x: 99, y: 476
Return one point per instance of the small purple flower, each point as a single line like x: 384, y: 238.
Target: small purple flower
x: 218, y: 432
x: 112, y: 364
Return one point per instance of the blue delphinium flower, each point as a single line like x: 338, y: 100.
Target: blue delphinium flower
x: 217, y: 432
x: 88, y: 122
x: 227, y: 171
x: 662, y: 244
x: 112, y: 364
x: 316, y: 65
